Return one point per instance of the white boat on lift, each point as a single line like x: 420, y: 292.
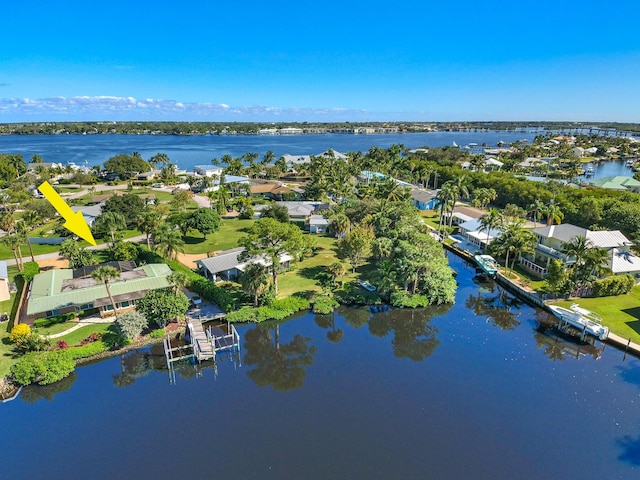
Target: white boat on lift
x: 584, y: 320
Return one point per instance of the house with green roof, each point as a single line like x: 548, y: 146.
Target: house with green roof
x: 56, y: 292
x: 619, y: 182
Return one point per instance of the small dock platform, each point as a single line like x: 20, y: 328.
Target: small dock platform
x: 203, y: 344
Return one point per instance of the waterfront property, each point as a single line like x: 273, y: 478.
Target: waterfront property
x: 552, y: 240
x: 227, y: 266
x: 617, y: 182
x: 60, y: 291
x: 424, y: 199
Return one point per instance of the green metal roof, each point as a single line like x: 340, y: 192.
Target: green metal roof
x: 619, y: 182
x: 55, y: 289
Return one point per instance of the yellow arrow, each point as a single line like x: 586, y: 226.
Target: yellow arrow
x: 75, y: 222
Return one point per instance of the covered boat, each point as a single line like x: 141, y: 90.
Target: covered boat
x: 487, y: 264
x: 582, y: 319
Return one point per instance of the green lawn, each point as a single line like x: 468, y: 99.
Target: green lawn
x: 56, y: 328
x: 74, y: 338
x: 620, y: 313
x: 227, y: 237
x: 304, y: 276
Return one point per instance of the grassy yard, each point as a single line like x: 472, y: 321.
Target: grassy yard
x: 305, y: 276
x: 227, y: 237
x: 621, y: 313
x: 74, y: 338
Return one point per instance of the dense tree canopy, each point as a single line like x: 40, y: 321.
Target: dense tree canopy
x: 124, y: 164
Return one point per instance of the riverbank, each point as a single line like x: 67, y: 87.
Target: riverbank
x: 531, y: 297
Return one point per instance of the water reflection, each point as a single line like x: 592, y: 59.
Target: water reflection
x: 557, y: 345
x: 334, y: 335
x: 280, y: 365
x: 33, y: 393
x: 413, y: 335
x: 494, y: 303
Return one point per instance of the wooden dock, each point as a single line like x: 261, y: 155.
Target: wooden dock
x: 203, y: 344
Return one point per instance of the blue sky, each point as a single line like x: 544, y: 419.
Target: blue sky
x: 319, y: 61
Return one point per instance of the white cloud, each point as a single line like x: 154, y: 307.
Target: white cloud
x: 105, y: 107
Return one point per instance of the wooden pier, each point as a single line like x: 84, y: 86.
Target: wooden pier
x: 203, y: 344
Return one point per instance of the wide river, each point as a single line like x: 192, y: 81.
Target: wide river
x: 189, y: 151
x: 476, y: 390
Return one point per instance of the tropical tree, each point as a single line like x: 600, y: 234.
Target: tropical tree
x: 105, y: 274
x: 255, y: 280
x: 513, y: 241
x: 178, y: 279
x: 148, y: 222
x: 536, y: 208
x: 493, y: 221
x: 78, y: 256
x: 553, y: 214
x: 13, y: 242
x: 356, y: 246
x: 483, y: 196
x: 168, y: 241
x: 272, y: 239
x: 111, y: 223
x: 161, y: 305
x: 336, y: 270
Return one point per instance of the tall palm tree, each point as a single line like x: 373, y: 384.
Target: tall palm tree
x: 168, y: 241
x: 553, y: 214
x: 255, y: 280
x: 494, y: 220
x: 537, y: 207
x: 446, y: 200
x: 12, y: 241
x: 111, y: 222
x: 106, y: 274
x: 148, y: 223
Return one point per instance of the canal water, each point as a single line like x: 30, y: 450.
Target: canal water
x: 475, y: 390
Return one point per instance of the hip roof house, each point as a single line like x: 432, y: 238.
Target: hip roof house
x: 55, y: 292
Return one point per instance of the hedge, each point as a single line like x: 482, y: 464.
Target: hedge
x: 278, y: 310
x: 87, y: 350
x: 407, y: 300
x: 43, y: 368
x: 613, y: 285
x: 198, y: 284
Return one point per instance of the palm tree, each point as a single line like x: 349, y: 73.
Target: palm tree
x: 12, y: 241
x: 255, y: 280
x: 445, y: 199
x: 178, y: 279
x: 148, y: 223
x: 340, y: 224
x: 515, y: 239
x: 553, y: 214
x: 168, y: 241
x: 494, y: 220
x: 336, y: 270
x: 106, y: 274
x: 537, y: 207
x: 112, y: 222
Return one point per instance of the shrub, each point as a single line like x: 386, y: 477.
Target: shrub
x: 131, y: 324
x: 87, y: 350
x: 31, y: 269
x: 62, y: 345
x: 324, y: 305
x: 278, y: 310
x: 19, y: 332
x: 613, y: 285
x: 47, y: 322
x: 94, y: 337
x: 407, y: 300
x: 159, y: 333
x: 43, y: 367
